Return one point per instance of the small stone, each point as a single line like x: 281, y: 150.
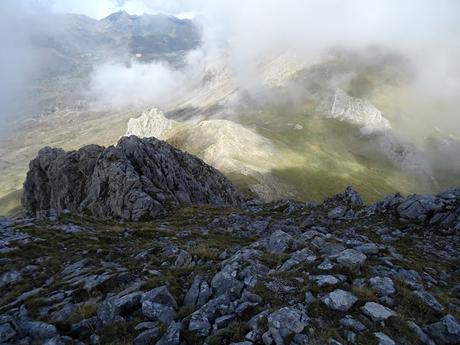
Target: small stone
x: 337, y: 212
x: 326, y: 265
x: 377, y: 312
x: 147, y: 337
x: 340, y: 300
x: 445, y: 331
x: 223, y: 321
x: 38, y: 329
x: 199, y: 293
x: 183, y: 259
x: 224, y: 282
x: 351, y: 323
x: 420, y: 333
x: 382, y: 286
x: 384, y: 339
x: 94, y: 339
x: 322, y: 280
x: 368, y: 248
x: 156, y: 311
x: 309, y: 298
x: 9, y: 278
x: 160, y: 295
x: 286, y: 321
x: 352, y: 259
x: 199, y: 324
x: 252, y: 336
x: 300, y: 339
x: 172, y: 335
x: 64, y: 314
x: 6, y: 332
x: 278, y: 242
x: 429, y: 300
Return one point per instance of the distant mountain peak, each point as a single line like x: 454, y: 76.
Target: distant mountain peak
x: 118, y: 15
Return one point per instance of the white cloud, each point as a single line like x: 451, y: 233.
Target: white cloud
x: 143, y: 84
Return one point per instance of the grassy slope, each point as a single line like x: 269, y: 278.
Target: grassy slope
x: 326, y: 156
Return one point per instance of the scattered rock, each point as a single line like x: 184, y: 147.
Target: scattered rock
x: 278, y: 242
x: 352, y: 259
x: 286, y: 321
x: 198, y: 294
x: 382, y: 286
x: 446, y: 331
x: 377, y: 312
x: 384, y: 339
x: 9, y: 278
x: 160, y: 295
x: 339, y: 300
x: 429, y: 300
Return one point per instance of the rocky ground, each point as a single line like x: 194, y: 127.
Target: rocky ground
x: 337, y: 272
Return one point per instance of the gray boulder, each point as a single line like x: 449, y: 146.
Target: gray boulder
x: 278, y: 242
x: 160, y: 295
x: 326, y: 279
x: 382, y: 286
x: 368, y: 248
x: 113, y: 308
x: 340, y: 300
x: 299, y: 257
x: 199, y: 293
x: 384, y: 339
x: 424, y: 338
x: 147, y: 337
x: 37, y: 329
x: 65, y: 313
x: 184, y: 258
x: 158, y: 312
x: 351, y: 323
x: 6, y: 332
x: 352, y: 259
x: 9, y: 277
x: 201, y: 319
x: 136, y: 179
x: 429, y: 300
x: 337, y: 212
x: 445, y: 331
x: 286, y: 321
x: 58, y: 340
x: 377, y: 312
x: 172, y: 335
x: 349, y: 198
x: 224, y: 282
x: 419, y: 207
x: 199, y: 324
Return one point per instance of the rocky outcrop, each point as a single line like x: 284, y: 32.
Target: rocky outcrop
x: 359, y: 112
x: 441, y: 210
x: 151, y: 123
x: 134, y: 180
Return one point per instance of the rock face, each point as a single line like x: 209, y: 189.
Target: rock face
x: 152, y: 123
x: 134, y: 180
x: 341, y: 106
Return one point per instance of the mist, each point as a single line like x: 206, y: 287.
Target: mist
x: 243, y: 34
x: 423, y: 32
